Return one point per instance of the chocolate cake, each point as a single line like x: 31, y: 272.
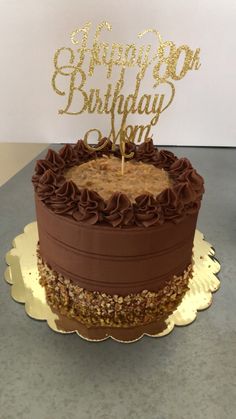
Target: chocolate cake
x: 115, y: 251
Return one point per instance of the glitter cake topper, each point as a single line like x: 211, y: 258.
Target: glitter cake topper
x: 166, y: 61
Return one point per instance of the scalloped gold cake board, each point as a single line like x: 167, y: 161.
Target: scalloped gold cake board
x: 22, y: 274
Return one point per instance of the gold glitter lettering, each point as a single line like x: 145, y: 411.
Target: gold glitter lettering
x: 98, y: 139
x: 73, y: 88
x: 167, y: 63
x: 97, y: 47
x: 140, y: 129
x: 144, y: 103
x: 83, y: 49
x: 186, y: 64
x: 195, y: 62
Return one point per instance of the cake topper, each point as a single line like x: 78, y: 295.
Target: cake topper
x: 77, y: 63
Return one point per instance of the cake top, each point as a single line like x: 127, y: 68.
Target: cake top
x: 104, y: 176
x: 70, y: 184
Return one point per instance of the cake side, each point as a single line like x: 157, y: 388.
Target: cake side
x: 111, y: 260
x: 115, y: 259
x: 93, y: 308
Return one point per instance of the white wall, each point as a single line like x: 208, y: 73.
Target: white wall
x: 30, y: 31
x: 14, y: 156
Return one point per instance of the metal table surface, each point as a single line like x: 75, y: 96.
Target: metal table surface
x: 189, y: 374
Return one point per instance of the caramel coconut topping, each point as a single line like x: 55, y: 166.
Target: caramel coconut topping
x: 103, y: 175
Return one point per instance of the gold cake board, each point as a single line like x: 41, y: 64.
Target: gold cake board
x: 22, y: 274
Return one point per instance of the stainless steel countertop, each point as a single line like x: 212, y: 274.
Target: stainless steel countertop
x: 189, y: 374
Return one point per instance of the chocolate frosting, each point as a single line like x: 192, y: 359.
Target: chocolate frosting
x: 106, y: 149
x: 185, y: 192
x: 69, y: 155
x: 116, y: 246
x: 121, y: 334
x: 179, y: 166
x: 83, y: 153
x: 146, y: 152
x: 147, y: 211
x: 115, y: 260
x: 119, y: 211
x: 65, y: 199
x: 191, y: 177
x: 89, y: 207
x: 129, y: 148
x: 164, y: 159
x: 54, y: 158
x: 170, y: 204
x: 40, y: 168
x: 192, y: 207
x: 47, y: 185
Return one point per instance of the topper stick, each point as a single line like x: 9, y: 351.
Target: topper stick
x: 122, y: 164
x: 123, y: 151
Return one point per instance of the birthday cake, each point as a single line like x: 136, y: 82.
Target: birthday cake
x: 115, y: 250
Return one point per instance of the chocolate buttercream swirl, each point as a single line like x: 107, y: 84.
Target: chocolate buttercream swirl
x: 54, y: 158
x: 89, y: 208
x: 184, y: 192
x: 179, y: 166
x: 147, y: 211
x: 146, y: 152
x: 129, y: 148
x: 83, y: 153
x: 171, y: 206
x: 106, y: 150
x: 48, y: 183
x: 69, y: 155
x: 118, y: 211
x: 41, y: 167
x: 194, y: 179
x: 192, y: 207
x: 164, y: 159
x: 65, y: 199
